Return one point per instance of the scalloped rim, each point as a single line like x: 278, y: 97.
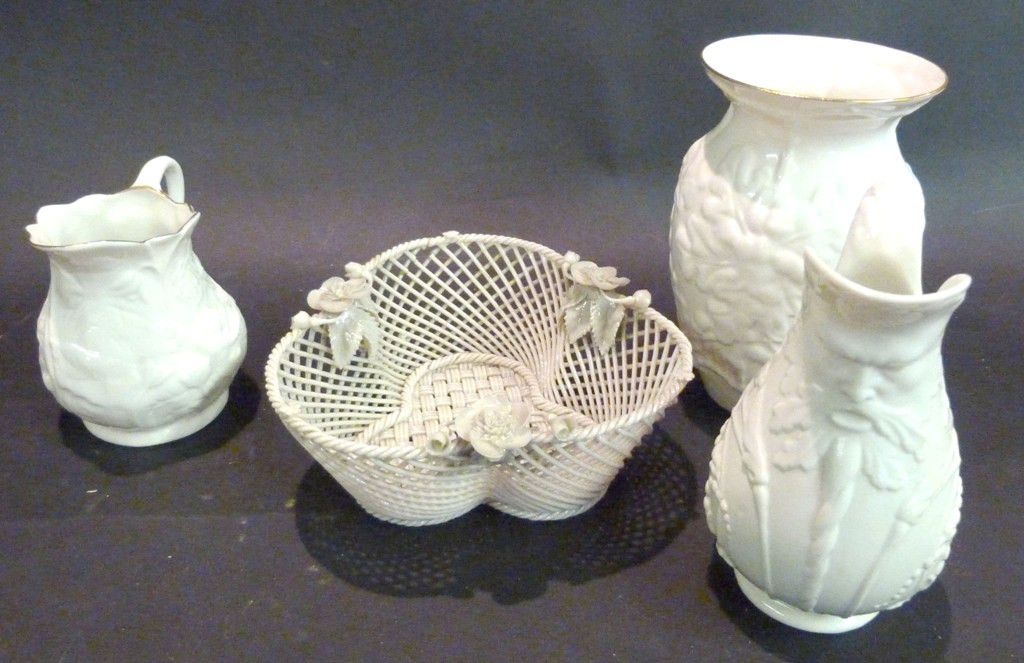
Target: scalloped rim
x: 299, y: 426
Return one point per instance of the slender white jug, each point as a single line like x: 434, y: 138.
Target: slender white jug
x: 134, y: 336
x: 834, y: 489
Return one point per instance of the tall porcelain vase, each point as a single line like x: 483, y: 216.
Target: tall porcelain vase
x: 834, y: 489
x: 811, y: 124
x: 134, y: 335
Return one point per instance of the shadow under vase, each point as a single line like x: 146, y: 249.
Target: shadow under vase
x: 243, y: 401
x: 645, y: 508
x: 919, y: 630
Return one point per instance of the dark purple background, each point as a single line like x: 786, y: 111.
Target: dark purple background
x: 316, y: 134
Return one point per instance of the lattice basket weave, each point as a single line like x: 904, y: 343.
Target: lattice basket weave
x: 460, y: 370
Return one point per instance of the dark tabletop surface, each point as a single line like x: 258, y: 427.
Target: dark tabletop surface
x: 314, y: 134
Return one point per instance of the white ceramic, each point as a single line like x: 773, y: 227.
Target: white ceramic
x: 460, y: 370
x: 810, y: 126
x: 834, y: 489
x: 134, y: 336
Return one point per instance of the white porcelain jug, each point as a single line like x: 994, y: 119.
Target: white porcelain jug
x: 134, y: 336
x: 834, y: 489
x: 810, y: 126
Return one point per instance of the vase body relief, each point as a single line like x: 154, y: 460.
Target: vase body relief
x: 834, y: 489
x: 810, y: 127
x: 134, y: 336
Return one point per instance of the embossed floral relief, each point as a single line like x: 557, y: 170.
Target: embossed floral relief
x: 740, y: 227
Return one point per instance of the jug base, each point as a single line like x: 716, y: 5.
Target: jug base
x: 148, y: 437
x: 806, y: 621
x: 718, y: 389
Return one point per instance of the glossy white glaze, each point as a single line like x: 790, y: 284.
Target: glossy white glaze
x: 134, y: 335
x: 811, y: 125
x: 834, y: 488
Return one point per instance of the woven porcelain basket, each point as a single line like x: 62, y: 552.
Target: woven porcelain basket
x: 467, y: 369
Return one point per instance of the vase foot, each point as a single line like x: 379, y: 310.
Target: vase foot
x: 806, y: 621
x: 718, y: 389
x: 148, y: 437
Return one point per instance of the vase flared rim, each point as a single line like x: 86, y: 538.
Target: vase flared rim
x: 732, y: 60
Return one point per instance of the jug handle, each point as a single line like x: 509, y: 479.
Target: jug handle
x: 160, y: 170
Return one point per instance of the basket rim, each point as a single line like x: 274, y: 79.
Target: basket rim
x: 681, y: 375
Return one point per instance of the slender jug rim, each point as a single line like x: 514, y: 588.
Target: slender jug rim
x: 952, y: 289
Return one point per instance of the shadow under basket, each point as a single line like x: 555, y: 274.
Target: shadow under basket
x: 477, y: 369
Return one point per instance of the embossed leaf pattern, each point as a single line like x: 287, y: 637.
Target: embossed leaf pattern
x: 885, y: 466
x: 886, y: 442
x: 902, y: 430
x: 885, y: 458
x: 588, y: 309
x: 349, y: 331
x: 797, y: 448
x: 790, y: 421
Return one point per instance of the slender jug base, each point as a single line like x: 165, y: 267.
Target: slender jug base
x: 147, y: 437
x: 806, y: 621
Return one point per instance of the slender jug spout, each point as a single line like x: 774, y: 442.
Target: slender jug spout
x: 883, y: 246
x: 834, y: 489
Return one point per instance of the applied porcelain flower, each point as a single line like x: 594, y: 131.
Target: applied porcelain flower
x: 337, y: 294
x: 493, y: 425
x: 591, y: 306
x: 342, y: 303
x: 585, y: 272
